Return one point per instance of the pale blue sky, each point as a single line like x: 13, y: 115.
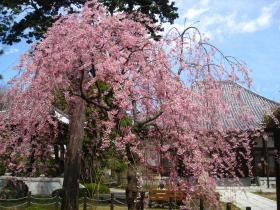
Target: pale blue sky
x: 246, y: 29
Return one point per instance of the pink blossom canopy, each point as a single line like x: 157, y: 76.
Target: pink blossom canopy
x: 154, y: 83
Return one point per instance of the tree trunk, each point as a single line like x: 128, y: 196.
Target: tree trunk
x: 61, y: 158
x: 70, y: 199
x: 132, y: 191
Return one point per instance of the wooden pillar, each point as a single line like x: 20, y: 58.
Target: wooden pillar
x: 29, y: 199
x: 150, y: 202
x: 112, y: 202
x: 277, y: 168
x: 142, y: 200
x: 266, y: 166
x: 170, y: 204
x: 85, y: 201
x: 57, y: 201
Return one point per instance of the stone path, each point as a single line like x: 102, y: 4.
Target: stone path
x: 242, y: 199
x: 117, y: 190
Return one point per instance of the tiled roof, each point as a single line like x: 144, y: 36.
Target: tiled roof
x: 257, y: 106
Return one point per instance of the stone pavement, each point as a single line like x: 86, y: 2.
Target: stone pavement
x: 243, y: 198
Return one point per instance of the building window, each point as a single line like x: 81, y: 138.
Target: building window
x: 258, y: 142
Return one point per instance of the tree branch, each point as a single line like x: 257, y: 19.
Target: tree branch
x: 88, y: 100
x: 149, y: 119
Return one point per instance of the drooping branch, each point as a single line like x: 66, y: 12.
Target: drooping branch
x: 134, y: 51
x: 149, y: 119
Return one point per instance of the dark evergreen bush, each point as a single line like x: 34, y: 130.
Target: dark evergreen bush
x: 13, y: 188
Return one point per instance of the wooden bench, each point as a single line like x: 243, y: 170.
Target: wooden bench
x: 164, y: 196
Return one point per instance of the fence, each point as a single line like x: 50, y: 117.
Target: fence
x: 112, y: 200
x: 30, y: 200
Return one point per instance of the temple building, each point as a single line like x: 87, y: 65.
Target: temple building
x: 257, y: 106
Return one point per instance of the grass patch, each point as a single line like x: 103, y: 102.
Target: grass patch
x: 91, y: 205
x: 32, y: 207
x: 269, y: 195
x: 101, y: 207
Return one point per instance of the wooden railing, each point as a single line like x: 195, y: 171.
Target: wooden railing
x: 170, y: 198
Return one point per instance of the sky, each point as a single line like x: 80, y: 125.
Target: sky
x: 246, y: 29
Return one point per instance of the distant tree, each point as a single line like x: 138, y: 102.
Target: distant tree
x: 29, y: 20
x: 272, y: 121
x: 3, y: 101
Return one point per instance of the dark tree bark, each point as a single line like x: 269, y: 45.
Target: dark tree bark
x: 132, y: 190
x: 56, y: 151
x: 70, y: 199
x: 61, y: 158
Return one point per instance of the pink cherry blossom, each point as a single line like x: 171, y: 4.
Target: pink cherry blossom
x: 171, y: 89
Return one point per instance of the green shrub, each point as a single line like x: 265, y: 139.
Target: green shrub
x: 93, y: 188
x: 2, y: 169
x: 90, y: 189
x: 57, y: 192
x: 13, y: 189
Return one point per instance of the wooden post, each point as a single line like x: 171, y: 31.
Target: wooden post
x: 150, y: 202
x: 170, y: 204
x: 85, y: 201
x: 218, y: 196
x: 57, y: 202
x: 201, y: 204
x: 228, y: 206
x: 29, y: 199
x: 112, y: 202
x: 142, y: 198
